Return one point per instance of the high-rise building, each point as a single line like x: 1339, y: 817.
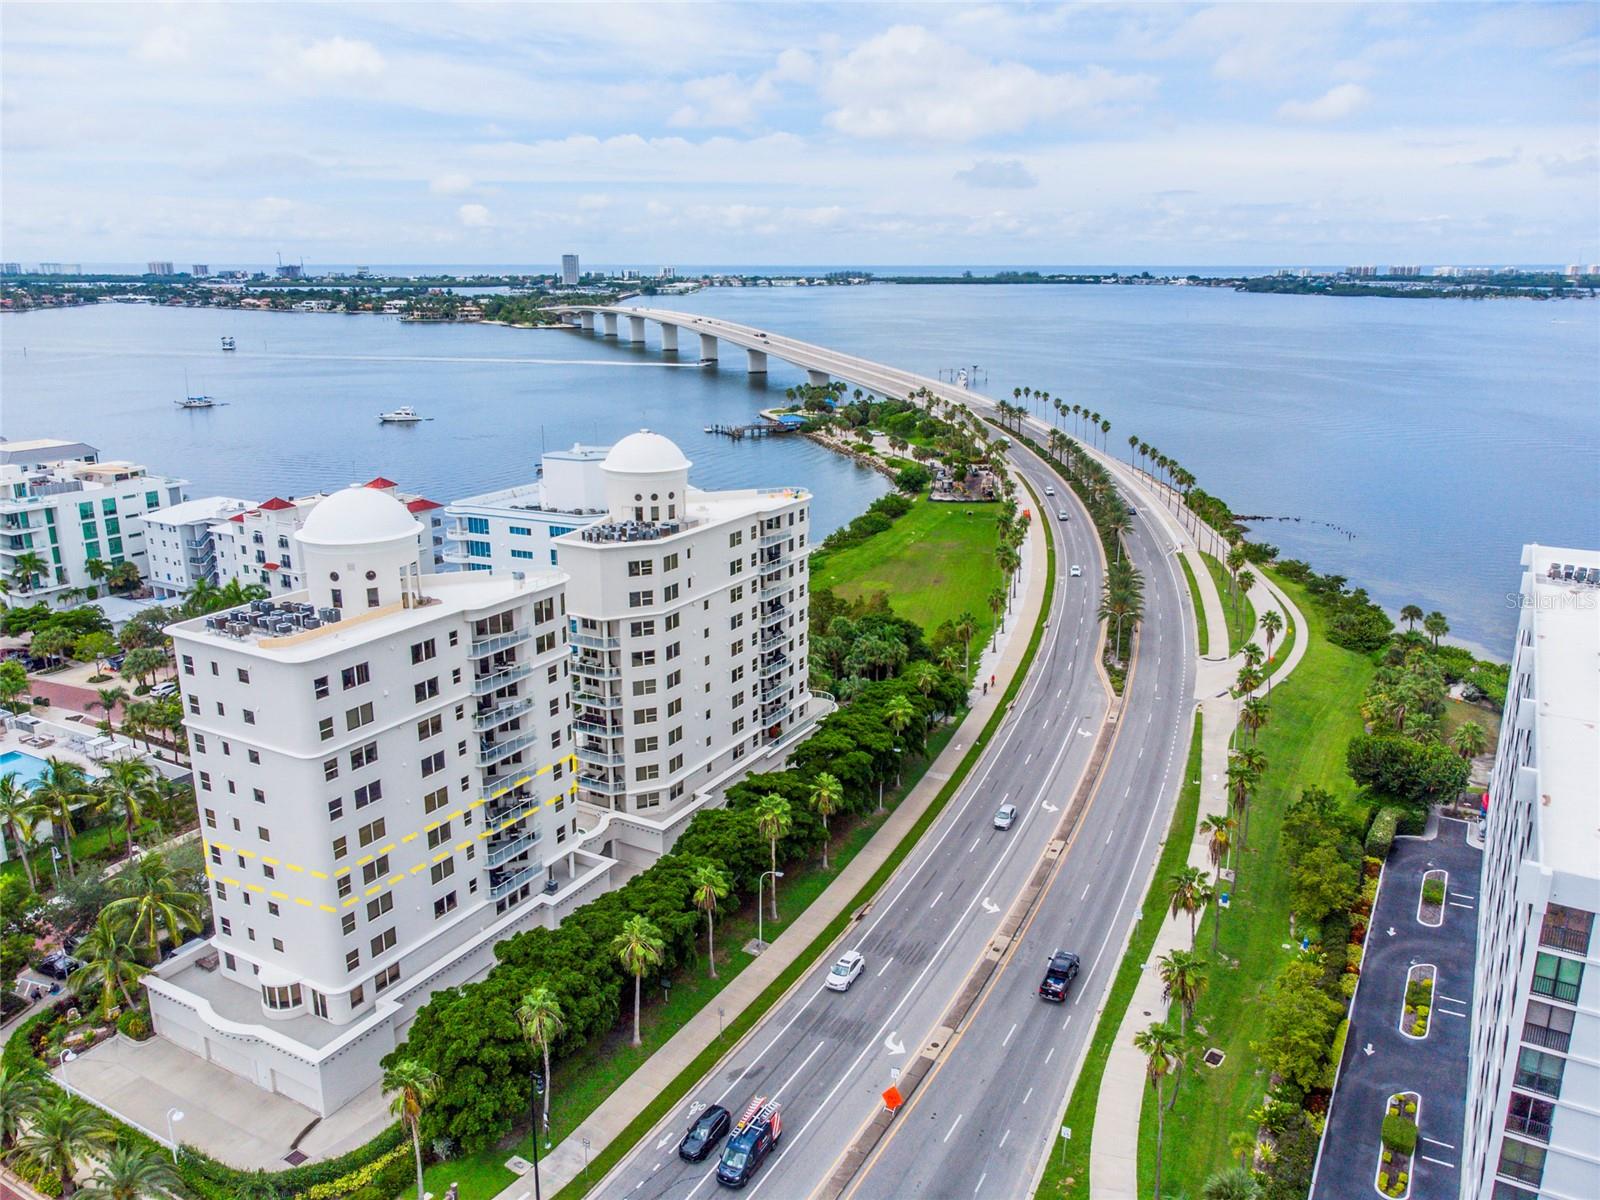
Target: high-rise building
x: 200, y: 270
x: 179, y: 544
x: 10, y: 268
x: 384, y: 773
x: 569, y: 270
x: 1533, y: 1114
x: 61, y: 508
x: 158, y: 267
x: 687, y: 616
x: 668, y: 273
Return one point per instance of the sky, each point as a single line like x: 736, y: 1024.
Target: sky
x: 778, y: 133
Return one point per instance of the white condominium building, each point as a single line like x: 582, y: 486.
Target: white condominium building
x: 687, y: 618
x: 383, y: 767
x: 179, y: 543
x: 1533, y: 1117
x: 513, y: 529
x: 61, y: 508
x: 259, y: 546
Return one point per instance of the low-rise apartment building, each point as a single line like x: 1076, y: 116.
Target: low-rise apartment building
x: 513, y: 529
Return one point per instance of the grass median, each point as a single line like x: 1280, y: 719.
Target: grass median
x: 1068, y: 1172
x: 1241, y: 616
x: 670, y: 1096
x: 1202, y: 630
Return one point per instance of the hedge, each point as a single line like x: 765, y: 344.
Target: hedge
x: 1380, y: 836
x: 1399, y: 1133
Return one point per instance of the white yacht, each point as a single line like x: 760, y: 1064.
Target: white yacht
x: 404, y: 415
x: 192, y: 402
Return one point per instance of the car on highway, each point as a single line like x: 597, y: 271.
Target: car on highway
x: 1076, y: 571
x: 845, y: 972
x: 754, y: 1136
x: 1058, y: 976
x: 709, y: 1128
x: 1049, y: 491
x: 1062, y: 515
x: 1005, y: 816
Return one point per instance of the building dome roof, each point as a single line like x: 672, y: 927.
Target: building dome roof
x: 645, y: 453
x: 358, y: 516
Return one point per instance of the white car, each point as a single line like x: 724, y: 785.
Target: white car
x: 1006, y: 816
x: 1062, y: 515
x: 164, y: 689
x: 1049, y: 491
x: 845, y: 971
x: 1076, y: 571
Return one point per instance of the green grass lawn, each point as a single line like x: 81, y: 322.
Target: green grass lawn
x: 585, y: 1080
x: 1068, y: 1172
x: 1241, y: 621
x: 1281, y: 647
x: 1203, y: 633
x: 1457, y: 713
x: 935, y: 563
x: 1314, y: 714
x: 85, y: 845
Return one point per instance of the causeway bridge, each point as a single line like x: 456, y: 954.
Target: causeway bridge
x: 822, y: 365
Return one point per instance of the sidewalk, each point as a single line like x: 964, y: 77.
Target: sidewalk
x: 566, y: 1160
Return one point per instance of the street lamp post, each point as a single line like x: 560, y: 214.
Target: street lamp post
x: 533, y: 1104
x: 760, y: 927
x: 173, y: 1115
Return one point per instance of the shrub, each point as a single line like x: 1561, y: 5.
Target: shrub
x: 1352, y: 957
x: 1419, y: 993
x: 360, y: 1178
x: 134, y: 1024
x: 1380, y: 836
x: 1433, y: 891
x: 1399, y: 1133
x: 1347, y: 986
x: 1383, y: 1176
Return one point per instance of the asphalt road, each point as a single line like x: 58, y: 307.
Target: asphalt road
x: 827, y: 1056
x: 983, y: 1118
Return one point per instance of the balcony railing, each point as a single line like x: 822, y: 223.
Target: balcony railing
x: 502, y: 851
x: 606, y: 787
x: 772, y: 591
x: 482, y: 685
x: 599, y: 757
x: 502, y: 750
x: 593, y: 669
x: 594, y: 641
x: 1557, y: 989
x: 1531, y: 1127
x: 596, y: 699
x: 1546, y: 1037
x: 501, y: 713
x: 513, y: 881
x: 456, y: 554
x: 1535, y: 1081
x: 778, y: 663
x: 774, y: 536
x: 597, y: 728
x: 501, y: 641
x: 773, y: 638
x: 512, y: 809
x: 1564, y: 937
x: 772, y: 710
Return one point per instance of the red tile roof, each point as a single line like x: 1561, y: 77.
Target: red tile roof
x: 380, y: 482
x: 422, y: 504
x: 239, y: 517
x: 275, y: 505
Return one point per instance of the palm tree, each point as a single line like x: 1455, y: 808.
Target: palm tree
x: 1411, y: 614
x: 774, y: 820
x: 1469, y: 740
x: 899, y: 713
x: 1133, y: 444
x: 1159, y: 1044
x: 639, y: 947
x: 1231, y: 1183
x: 1183, y: 978
x: 22, y: 1090
x: 710, y: 885
x: 1253, y: 715
x: 542, y: 1022
x: 25, y: 570
x: 826, y: 794
x: 414, y: 1087
x: 1271, y: 623
x: 61, y: 1133
x: 20, y: 814
x: 966, y: 626
x: 131, y: 1173
x: 125, y: 790
x: 152, y: 901
x: 1245, y: 768
x: 109, y: 960
x: 62, y: 787
x: 1187, y: 891
x: 1218, y: 829
x: 108, y: 699
x: 1436, y: 626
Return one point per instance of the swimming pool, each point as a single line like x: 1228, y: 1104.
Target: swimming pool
x: 28, y: 768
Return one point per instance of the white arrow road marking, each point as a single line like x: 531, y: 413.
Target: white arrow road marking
x: 1368, y: 1050
x: 1086, y: 733
x: 894, y: 1045
x: 1048, y: 807
x: 661, y: 1145
x: 989, y: 906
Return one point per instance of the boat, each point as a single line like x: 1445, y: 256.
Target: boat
x: 404, y: 415
x: 227, y: 344
x: 193, y: 402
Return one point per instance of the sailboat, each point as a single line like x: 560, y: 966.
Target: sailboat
x: 192, y: 402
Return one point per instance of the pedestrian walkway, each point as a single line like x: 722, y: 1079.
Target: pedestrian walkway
x: 567, y: 1159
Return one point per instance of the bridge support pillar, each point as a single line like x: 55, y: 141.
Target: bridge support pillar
x: 708, y: 347
x: 611, y: 324
x: 669, y: 338
x: 636, y: 330
x: 587, y: 320
x: 758, y: 361
x: 817, y: 378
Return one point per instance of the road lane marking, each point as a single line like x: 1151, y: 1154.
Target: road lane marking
x: 1003, y: 1138
x: 1068, y: 1021
x: 1049, y: 1056
x: 936, y: 899
x: 952, y: 1128
x: 981, y: 1178
x: 1086, y: 888
x: 885, y: 966
x: 1007, y: 1041
x: 773, y: 1096
x: 1028, y: 1097
x: 975, y: 842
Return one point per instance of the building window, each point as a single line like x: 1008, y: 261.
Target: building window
x: 436, y: 800
x: 640, y: 566
x: 324, y: 729
x: 188, y: 664
x: 330, y: 769
x: 422, y: 651
x: 643, y: 658
x: 335, y: 808
x: 355, y: 676
x: 319, y: 687
x: 263, y: 833
x: 438, y: 835
x: 445, y: 903
x: 281, y: 997
x: 440, y: 871
x: 352, y: 960
x: 644, y: 716
x: 1521, y: 1160
x: 341, y: 847
x: 375, y: 870
x: 644, y: 687
x: 429, y: 727
x: 1540, y: 1072
x: 345, y: 886
x: 379, y: 905
x: 1558, y: 978
x: 211, y: 818
x: 348, y: 923
x: 372, y: 598
x: 425, y: 689
x: 641, y: 599
x: 647, y: 772
x: 225, y: 925
x: 259, y: 795
x: 319, y: 1004
x: 433, y: 764
x: 389, y: 975
x: 646, y: 745
x: 1530, y: 1116
x: 1566, y: 929
x: 205, y: 781
x: 363, y: 756
x: 372, y: 831
x: 1548, y: 1026
x: 355, y: 718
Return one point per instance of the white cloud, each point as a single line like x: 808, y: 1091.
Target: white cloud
x: 474, y: 216
x: 794, y: 66
x: 909, y: 83
x: 450, y: 183
x: 723, y: 101
x: 998, y: 173
x: 1338, y: 102
x: 163, y: 44
x: 341, y: 58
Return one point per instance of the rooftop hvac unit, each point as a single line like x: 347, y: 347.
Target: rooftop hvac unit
x: 333, y: 615
x: 283, y: 627
x: 238, y: 629
x: 313, y: 623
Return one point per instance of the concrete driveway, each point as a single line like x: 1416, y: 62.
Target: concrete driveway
x: 1435, y: 1067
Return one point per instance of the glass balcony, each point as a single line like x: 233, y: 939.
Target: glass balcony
x: 502, y: 641
x: 596, y: 699
x: 501, y: 713
x: 774, y: 666
x: 598, y: 756
x: 482, y: 685
x: 507, y: 884
x: 775, y: 537
x: 505, y: 749
x: 597, y: 728
x: 591, y: 668
x: 597, y: 783
x: 594, y: 641
x: 773, y: 637
x: 499, y: 852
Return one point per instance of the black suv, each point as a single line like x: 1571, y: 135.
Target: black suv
x: 708, y: 1129
x: 1058, y: 976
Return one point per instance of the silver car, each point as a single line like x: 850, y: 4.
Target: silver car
x: 1006, y: 816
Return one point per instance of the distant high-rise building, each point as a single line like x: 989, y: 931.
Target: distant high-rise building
x: 1405, y: 272
x: 669, y: 273
x: 1533, y: 1087
x: 200, y: 270
x: 158, y: 266
x: 10, y: 268
x: 58, y: 268
x: 1361, y: 272
x: 569, y: 270
x: 289, y: 271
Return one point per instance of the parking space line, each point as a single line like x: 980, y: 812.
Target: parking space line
x: 1437, y: 1142
x: 1441, y: 1162
x: 1450, y: 1000
x: 1457, y: 904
